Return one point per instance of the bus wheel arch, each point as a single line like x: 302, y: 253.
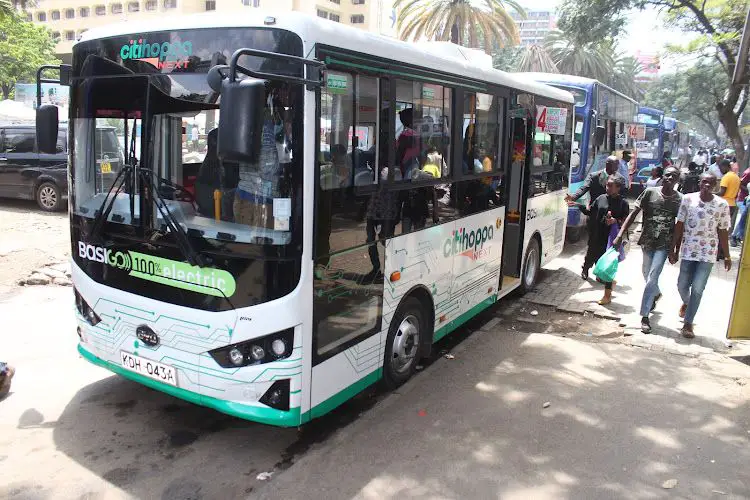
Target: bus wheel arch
x: 409, y: 336
x: 532, y: 263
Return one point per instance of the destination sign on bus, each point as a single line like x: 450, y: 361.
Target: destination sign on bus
x: 551, y: 120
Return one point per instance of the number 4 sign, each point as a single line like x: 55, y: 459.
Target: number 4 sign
x: 541, y: 123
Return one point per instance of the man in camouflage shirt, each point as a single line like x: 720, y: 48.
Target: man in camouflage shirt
x: 659, y: 206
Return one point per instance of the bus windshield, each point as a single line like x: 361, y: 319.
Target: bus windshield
x: 165, y: 118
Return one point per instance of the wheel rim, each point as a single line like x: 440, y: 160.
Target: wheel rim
x: 405, y: 345
x: 532, y: 265
x: 48, y: 197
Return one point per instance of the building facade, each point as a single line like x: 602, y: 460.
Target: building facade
x: 68, y: 19
x: 536, y: 26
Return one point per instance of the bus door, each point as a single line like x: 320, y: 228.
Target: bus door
x: 514, y: 222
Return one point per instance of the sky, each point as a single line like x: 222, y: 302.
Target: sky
x: 645, y: 32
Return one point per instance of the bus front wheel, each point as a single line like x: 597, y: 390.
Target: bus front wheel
x: 403, y: 344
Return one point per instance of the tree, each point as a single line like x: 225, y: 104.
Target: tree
x: 535, y: 58
x: 573, y: 56
x: 691, y: 95
x: 717, y: 24
x: 626, y: 72
x: 24, y: 47
x: 465, y: 22
x: 6, y: 8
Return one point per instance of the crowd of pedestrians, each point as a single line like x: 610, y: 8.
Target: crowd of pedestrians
x: 692, y: 226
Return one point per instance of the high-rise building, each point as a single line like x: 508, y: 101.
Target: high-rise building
x: 536, y: 26
x: 68, y: 19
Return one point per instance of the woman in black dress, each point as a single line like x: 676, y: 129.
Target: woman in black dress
x: 607, y: 209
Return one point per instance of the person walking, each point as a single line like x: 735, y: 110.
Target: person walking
x: 656, y: 177
x: 738, y: 234
x: 702, y: 227
x: 607, y: 209
x: 596, y: 182
x: 624, y: 168
x: 729, y: 188
x: 659, y: 206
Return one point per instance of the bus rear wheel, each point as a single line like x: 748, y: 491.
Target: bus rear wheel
x: 403, y: 343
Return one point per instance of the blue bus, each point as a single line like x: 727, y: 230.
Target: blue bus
x: 650, y: 149
x: 601, y: 118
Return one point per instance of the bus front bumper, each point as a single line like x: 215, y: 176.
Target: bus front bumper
x: 261, y: 414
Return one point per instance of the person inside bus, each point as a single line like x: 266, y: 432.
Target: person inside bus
x: 608, y: 209
x: 407, y: 144
x: 596, y: 182
x: 259, y: 183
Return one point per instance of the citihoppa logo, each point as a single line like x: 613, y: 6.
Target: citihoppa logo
x: 469, y: 243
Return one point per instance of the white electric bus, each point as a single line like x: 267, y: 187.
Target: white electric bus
x: 303, y: 209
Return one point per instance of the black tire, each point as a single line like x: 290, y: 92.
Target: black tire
x: 48, y: 197
x: 531, y: 265
x: 403, y: 344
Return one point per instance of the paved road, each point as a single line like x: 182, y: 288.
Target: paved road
x: 622, y: 422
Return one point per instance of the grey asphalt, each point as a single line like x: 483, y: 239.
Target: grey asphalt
x: 622, y: 422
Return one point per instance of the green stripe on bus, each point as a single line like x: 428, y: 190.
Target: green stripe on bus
x: 342, y: 396
x: 442, y: 332
x: 269, y: 416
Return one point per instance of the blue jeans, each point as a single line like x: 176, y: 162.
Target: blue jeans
x: 739, y: 228
x: 653, y: 263
x: 691, y: 283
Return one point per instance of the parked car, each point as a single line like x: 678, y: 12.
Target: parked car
x: 29, y: 175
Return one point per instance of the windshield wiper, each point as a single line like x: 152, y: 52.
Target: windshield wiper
x: 183, y: 241
x: 123, y: 177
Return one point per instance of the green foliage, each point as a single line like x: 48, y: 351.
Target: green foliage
x: 714, y: 28
x: 486, y: 24
x: 24, y: 47
x: 507, y: 58
x: 592, y: 21
x: 536, y: 59
x: 693, y: 94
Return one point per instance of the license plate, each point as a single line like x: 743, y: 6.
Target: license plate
x: 148, y: 368
x: 106, y: 168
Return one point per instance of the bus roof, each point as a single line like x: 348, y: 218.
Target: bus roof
x: 572, y: 80
x: 442, y: 57
x: 650, y: 111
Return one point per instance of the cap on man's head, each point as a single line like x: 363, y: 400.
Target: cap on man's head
x: 617, y: 179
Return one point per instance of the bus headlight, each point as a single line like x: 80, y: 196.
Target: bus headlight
x: 255, y: 351
x: 236, y: 357
x: 278, y: 347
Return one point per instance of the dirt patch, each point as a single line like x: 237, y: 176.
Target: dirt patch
x: 31, y: 239
x: 532, y: 318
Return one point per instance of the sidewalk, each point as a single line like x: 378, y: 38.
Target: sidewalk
x: 516, y: 416
x: 561, y: 286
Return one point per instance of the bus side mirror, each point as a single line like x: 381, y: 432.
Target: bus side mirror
x: 599, y: 134
x: 47, y: 125
x: 241, y: 109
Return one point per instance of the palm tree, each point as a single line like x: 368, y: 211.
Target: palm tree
x: 471, y: 23
x: 6, y: 7
x: 626, y: 71
x: 591, y: 60
x: 535, y: 58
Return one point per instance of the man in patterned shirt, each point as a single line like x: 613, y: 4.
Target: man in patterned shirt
x: 702, y: 225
